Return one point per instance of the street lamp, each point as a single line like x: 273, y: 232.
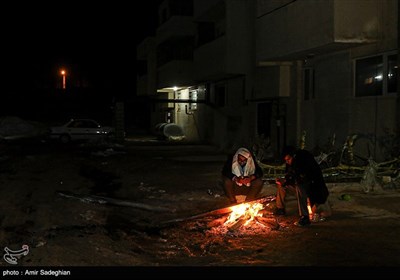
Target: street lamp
x: 63, y: 74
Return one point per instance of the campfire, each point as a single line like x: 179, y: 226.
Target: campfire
x: 249, y: 217
x: 252, y: 217
x: 243, y: 214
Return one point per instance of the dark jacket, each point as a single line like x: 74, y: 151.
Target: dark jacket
x: 306, y: 172
x: 227, y: 168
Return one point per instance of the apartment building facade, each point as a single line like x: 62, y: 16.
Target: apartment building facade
x: 230, y: 71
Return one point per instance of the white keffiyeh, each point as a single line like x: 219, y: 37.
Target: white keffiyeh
x: 246, y: 170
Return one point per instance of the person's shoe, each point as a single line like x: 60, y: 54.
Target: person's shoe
x: 303, y: 222
x: 280, y: 212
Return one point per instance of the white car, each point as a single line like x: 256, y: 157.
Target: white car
x: 80, y: 129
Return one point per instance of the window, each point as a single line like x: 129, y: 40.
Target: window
x: 177, y: 48
x: 220, y: 95
x: 392, y: 73
x: 376, y: 75
x: 164, y: 16
x: 205, y: 33
x: 181, y: 8
x: 193, y: 99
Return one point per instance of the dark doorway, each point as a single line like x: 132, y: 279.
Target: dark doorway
x: 264, y: 112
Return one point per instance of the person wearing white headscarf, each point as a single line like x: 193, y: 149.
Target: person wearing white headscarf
x: 241, y: 175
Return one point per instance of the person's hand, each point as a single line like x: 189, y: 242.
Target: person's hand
x: 279, y: 181
x: 246, y: 181
x: 238, y: 180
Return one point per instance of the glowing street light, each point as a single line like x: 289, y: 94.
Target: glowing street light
x: 63, y: 74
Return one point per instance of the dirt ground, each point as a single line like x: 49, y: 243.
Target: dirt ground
x: 45, y: 204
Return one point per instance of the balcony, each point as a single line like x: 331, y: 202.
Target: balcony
x: 176, y: 26
x: 292, y: 31
x: 175, y: 73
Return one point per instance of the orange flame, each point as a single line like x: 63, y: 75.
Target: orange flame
x: 247, y: 211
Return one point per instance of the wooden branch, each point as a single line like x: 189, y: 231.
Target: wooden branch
x: 216, y: 212
x: 217, y: 222
x: 388, y: 162
x: 239, y: 223
x: 113, y: 201
x: 274, y: 225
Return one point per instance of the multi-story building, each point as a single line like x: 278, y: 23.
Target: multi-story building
x: 282, y: 69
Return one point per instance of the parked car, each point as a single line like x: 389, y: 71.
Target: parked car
x: 80, y: 129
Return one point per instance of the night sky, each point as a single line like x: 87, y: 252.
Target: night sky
x: 95, y: 42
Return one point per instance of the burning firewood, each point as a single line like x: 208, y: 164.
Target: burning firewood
x: 243, y: 215
x: 217, y: 222
x: 242, y: 220
x: 216, y: 212
x: 273, y: 224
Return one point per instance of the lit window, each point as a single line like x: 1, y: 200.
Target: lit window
x: 376, y: 75
x: 392, y: 74
x: 368, y: 71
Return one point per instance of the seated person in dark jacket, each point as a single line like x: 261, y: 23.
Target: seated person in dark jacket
x: 303, y: 177
x: 241, y: 175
